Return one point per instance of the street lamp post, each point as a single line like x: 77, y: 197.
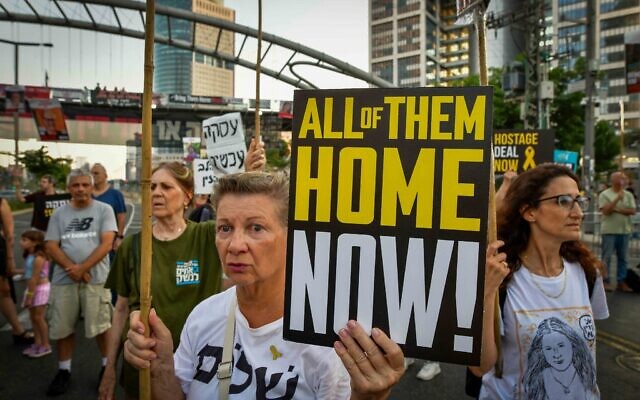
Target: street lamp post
x: 16, y: 52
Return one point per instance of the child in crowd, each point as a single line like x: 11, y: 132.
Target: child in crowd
x: 36, y: 295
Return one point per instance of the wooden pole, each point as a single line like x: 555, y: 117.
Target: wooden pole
x: 492, y: 233
x: 145, y: 257
x: 256, y: 134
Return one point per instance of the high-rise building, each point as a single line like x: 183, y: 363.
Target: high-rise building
x: 613, y: 19
x: 184, y: 72
x: 417, y: 43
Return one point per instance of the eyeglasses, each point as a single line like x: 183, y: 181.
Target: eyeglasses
x: 566, y: 201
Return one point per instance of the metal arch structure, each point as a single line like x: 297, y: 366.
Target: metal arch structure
x: 95, y: 11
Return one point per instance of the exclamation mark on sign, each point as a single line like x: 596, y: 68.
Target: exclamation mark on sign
x: 466, y: 281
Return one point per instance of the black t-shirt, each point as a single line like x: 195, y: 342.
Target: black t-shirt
x: 43, y: 206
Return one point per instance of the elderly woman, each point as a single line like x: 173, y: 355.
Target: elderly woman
x: 251, y: 220
x: 550, y: 281
x: 186, y: 267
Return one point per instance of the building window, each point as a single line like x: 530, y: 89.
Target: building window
x: 409, y: 71
x: 409, y: 34
x: 382, y: 40
x: 383, y: 70
x: 381, y: 9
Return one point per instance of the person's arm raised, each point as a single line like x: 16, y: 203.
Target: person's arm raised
x: 155, y: 352
x: 255, y: 160
x: 375, y: 364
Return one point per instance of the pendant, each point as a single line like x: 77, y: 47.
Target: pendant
x: 567, y: 390
x: 274, y: 352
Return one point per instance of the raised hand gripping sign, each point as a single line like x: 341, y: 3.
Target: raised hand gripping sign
x: 388, y: 217
x: 226, y: 148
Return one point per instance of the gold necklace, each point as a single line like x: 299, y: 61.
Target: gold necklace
x: 170, y: 236
x: 564, y: 283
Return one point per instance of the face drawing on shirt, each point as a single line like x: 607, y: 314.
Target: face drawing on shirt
x: 559, y: 364
x: 557, y: 350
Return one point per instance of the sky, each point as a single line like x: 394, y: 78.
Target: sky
x: 84, y: 58
x: 338, y: 28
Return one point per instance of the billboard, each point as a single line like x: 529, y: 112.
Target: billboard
x: 49, y: 120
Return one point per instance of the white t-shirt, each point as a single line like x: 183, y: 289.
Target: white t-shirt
x: 264, y: 365
x: 559, y: 333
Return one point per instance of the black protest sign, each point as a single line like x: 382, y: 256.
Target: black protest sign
x: 520, y: 150
x: 388, y: 216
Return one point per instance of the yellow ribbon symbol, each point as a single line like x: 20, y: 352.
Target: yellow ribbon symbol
x: 529, y: 162
x: 274, y: 352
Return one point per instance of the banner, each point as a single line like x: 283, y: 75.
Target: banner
x: 191, y: 146
x: 14, y: 99
x: 226, y: 148
x: 388, y: 217
x: 203, y: 176
x: 49, y: 119
x: 285, y: 109
x: 632, y: 61
x: 522, y: 149
x: 566, y: 158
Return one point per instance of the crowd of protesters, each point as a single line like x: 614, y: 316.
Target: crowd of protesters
x: 79, y: 263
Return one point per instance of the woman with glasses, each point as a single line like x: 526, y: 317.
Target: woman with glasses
x: 543, y: 273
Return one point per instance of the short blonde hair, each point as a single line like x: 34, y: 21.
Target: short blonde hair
x: 274, y: 185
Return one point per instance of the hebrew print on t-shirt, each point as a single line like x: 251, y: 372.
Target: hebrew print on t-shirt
x: 556, y: 349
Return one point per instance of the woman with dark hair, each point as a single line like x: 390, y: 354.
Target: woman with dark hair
x: 549, y: 277
x: 559, y: 357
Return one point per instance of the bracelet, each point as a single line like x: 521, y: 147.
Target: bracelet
x: 28, y: 293
x: 119, y: 236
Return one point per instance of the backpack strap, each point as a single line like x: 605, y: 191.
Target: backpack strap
x: 225, y: 368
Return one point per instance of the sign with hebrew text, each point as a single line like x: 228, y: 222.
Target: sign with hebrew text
x: 226, y: 148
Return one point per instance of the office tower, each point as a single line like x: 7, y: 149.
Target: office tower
x: 183, y: 72
x: 417, y: 43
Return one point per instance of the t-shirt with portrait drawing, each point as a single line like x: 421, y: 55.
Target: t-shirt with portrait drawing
x: 265, y: 366
x: 548, y: 337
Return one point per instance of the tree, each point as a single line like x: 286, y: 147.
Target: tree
x: 607, y: 147
x: 506, y: 112
x: 39, y: 162
x: 567, y: 114
x: 278, y: 157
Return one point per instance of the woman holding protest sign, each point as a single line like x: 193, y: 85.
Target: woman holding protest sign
x: 231, y: 344
x: 186, y: 267
x: 547, y: 280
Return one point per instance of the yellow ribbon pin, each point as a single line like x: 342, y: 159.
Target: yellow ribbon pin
x: 274, y: 352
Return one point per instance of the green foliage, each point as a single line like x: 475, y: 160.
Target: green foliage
x: 39, y: 162
x: 567, y: 115
x: 278, y: 157
x: 506, y: 112
x: 607, y: 147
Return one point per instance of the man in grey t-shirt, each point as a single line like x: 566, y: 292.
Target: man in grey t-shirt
x: 79, y: 237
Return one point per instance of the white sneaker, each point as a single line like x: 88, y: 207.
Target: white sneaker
x: 428, y: 371
x: 408, y: 362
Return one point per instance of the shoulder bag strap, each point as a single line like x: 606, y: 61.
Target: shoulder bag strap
x: 226, y: 366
